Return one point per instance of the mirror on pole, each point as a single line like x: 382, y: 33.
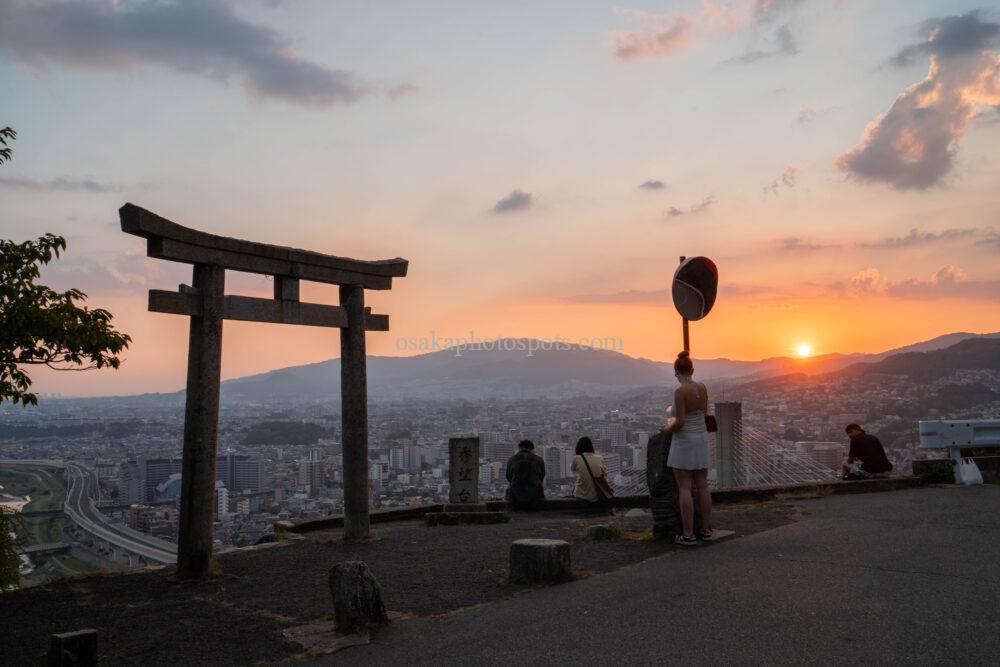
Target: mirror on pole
x: 696, y: 282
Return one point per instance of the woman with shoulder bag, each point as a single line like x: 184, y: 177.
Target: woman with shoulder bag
x: 591, y: 473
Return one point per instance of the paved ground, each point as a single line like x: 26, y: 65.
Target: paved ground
x: 908, y: 576
x: 238, y: 618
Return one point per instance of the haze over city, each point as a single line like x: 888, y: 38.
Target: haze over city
x: 541, y: 165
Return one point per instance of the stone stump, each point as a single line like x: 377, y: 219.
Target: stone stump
x: 663, y: 489
x: 72, y: 648
x: 357, y: 598
x: 601, y: 531
x: 539, y: 561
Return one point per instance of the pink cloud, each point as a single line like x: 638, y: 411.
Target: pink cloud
x: 913, y: 145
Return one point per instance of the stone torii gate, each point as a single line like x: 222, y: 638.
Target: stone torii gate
x: 206, y: 303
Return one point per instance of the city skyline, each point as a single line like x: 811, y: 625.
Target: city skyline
x: 541, y: 168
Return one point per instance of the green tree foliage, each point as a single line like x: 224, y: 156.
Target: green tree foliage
x: 6, y: 134
x: 9, y: 560
x: 39, y: 326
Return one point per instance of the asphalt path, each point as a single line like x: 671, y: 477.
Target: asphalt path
x: 907, y: 576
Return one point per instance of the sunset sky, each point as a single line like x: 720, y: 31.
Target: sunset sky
x: 541, y: 164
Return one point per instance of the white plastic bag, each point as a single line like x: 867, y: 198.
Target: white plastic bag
x: 967, y: 472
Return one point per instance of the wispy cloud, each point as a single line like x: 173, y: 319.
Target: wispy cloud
x: 701, y: 206
x: 402, y: 90
x: 947, y: 282
x: 991, y: 240
x: 517, y: 200
x: 205, y: 38
x: 61, y: 184
x: 653, y: 184
x: 666, y: 34
x: 809, y: 114
x: 765, y: 11
x: 913, y: 145
x: 797, y: 244
x: 914, y: 238
x: 782, y: 44
x: 663, y: 35
x: 659, y: 296
x: 918, y: 238
x: 787, y: 180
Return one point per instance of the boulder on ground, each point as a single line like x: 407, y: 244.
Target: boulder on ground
x: 357, y: 597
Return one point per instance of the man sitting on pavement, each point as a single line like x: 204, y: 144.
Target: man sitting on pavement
x: 866, y: 458
x: 526, y: 474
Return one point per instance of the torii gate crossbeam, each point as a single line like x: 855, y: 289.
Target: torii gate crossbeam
x: 206, y: 303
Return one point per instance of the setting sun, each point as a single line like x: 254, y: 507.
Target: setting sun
x: 804, y: 349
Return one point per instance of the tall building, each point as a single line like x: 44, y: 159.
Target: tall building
x: 729, y: 458
x: 498, y: 451
x: 557, y: 461
x: 399, y: 458
x: 613, y: 463
x: 312, y: 472
x: 221, y: 500
x: 332, y: 447
x: 613, y: 434
x: 240, y: 472
x: 157, y: 471
x: 491, y: 437
x: 130, y: 488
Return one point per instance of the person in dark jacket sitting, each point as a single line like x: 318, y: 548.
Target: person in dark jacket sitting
x: 526, y: 474
x: 866, y: 457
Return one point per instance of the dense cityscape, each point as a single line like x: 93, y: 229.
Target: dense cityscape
x: 284, y: 461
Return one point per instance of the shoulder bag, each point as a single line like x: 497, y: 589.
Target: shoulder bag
x: 604, y: 490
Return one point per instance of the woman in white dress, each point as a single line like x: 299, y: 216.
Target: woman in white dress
x: 689, y: 451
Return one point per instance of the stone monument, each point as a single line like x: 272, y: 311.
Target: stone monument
x: 463, y: 497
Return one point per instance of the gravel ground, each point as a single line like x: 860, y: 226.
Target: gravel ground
x: 237, y: 617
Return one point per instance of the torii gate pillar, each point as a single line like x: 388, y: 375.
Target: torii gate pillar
x: 354, y: 413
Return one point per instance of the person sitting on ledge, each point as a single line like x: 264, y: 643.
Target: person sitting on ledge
x: 866, y: 458
x: 526, y: 474
x: 585, y: 488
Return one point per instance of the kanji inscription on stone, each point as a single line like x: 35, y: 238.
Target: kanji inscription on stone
x: 463, y: 477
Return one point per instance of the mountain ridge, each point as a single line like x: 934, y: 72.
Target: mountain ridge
x: 514, y: 374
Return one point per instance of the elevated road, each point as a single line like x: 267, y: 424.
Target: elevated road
x: 80, y: 507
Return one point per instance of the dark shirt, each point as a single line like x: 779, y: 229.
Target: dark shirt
x: 525, y: 472
x: 867, y: 449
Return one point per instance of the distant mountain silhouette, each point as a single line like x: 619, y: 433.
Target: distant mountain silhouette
x: 512, y: 374
x: 970, y: 354
x: 473, y: 374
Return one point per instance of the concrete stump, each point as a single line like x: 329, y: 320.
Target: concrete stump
x: 538, y: 561
x: 601, y: 531
x: 72, y: 648
x: 357, y: 598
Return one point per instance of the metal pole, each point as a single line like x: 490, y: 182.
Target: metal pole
x: 354, y: 413
x: 201, y: 426
x: 684, y: 324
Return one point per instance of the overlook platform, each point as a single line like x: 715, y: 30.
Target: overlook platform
x: 907, y: 575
